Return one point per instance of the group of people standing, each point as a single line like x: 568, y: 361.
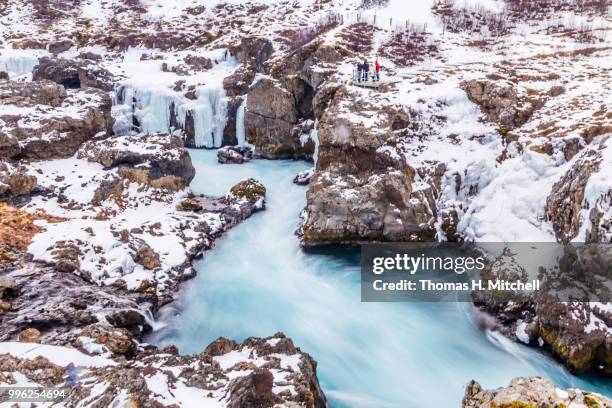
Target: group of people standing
x: 365, y: 71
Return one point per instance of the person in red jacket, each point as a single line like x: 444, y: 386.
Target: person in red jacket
x: 377, y: 69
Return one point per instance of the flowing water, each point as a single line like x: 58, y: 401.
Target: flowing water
x: 257, y: 281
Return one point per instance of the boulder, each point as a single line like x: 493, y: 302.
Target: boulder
x: 530, y: 392
x: 147, y: 257
x: 253, y: 390
x: 30, y: 335
x: 17, y: 182
x: 116, y: 340
x: 303, y: 178
x: 234, y: 154
x: 198, y: 63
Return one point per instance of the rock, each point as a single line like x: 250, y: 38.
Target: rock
x: 130, y: 380
x: 303, y: 177
x: 567, y: 209
x: 29, y: 336
x: 108, y: 189
x: 253, y: 51
x: 362, y: 187
x: 500, y: 102
x: 8, y: 287
x: 159, y: 161
x: 250, y: 190
x: 88, y: 55
x: 270, y: 116
x: 29, y: 44
x: 131, y: 320
x: 73, y: 74
x: 243, y: 199
x: 9, y: 146
x: 47, y: 132
x: 38, y: 369
x: 66, y: 256
x: 220, y: 347
x: 116, y: 340
x: 234, y: 154
x: 57, y: 47
x: 530, y: 392
x: 253, y: 390
x: 198, y: 63
x: 4, y: 75
x: 239, y: 81
x: 61, y: 304
x: 577, y: 332
x: 17, y: 183
x: 230, y: 129
x: 147, y: 257
x: 31, y: 93
x: 190, y: 204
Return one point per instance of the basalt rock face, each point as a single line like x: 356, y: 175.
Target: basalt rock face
x: 577, y: 332
x: 270, y: 117
x: 73, y: 74
x: 48, y: 122
x: 253, y: 52
x: 362, y: 187
x: 530, y: 392
x: 159, y: 161
x: 569, y: 209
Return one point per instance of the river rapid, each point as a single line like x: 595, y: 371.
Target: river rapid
x: 257, y: 281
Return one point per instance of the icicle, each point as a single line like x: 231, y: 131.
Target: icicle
x: 240, y: 133
x: 210, y: 116
x: 152, y: 111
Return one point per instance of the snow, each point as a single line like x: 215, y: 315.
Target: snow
x: 59, y: 355
x: 521, y: 332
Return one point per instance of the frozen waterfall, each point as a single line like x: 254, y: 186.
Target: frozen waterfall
x: 151, y: 110
x: 17, y: 63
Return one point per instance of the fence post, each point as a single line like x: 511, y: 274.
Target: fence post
x: 390, y: 21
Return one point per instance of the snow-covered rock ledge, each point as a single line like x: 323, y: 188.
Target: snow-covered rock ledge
x: 255, y: 373
x: 112, y: 230
x: 530, y: 392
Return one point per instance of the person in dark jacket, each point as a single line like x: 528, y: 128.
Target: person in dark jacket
x: 366, y: 70
x: 359, y: 71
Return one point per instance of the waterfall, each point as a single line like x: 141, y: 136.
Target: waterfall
x: 240, y: 133
x: 151, y: 110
